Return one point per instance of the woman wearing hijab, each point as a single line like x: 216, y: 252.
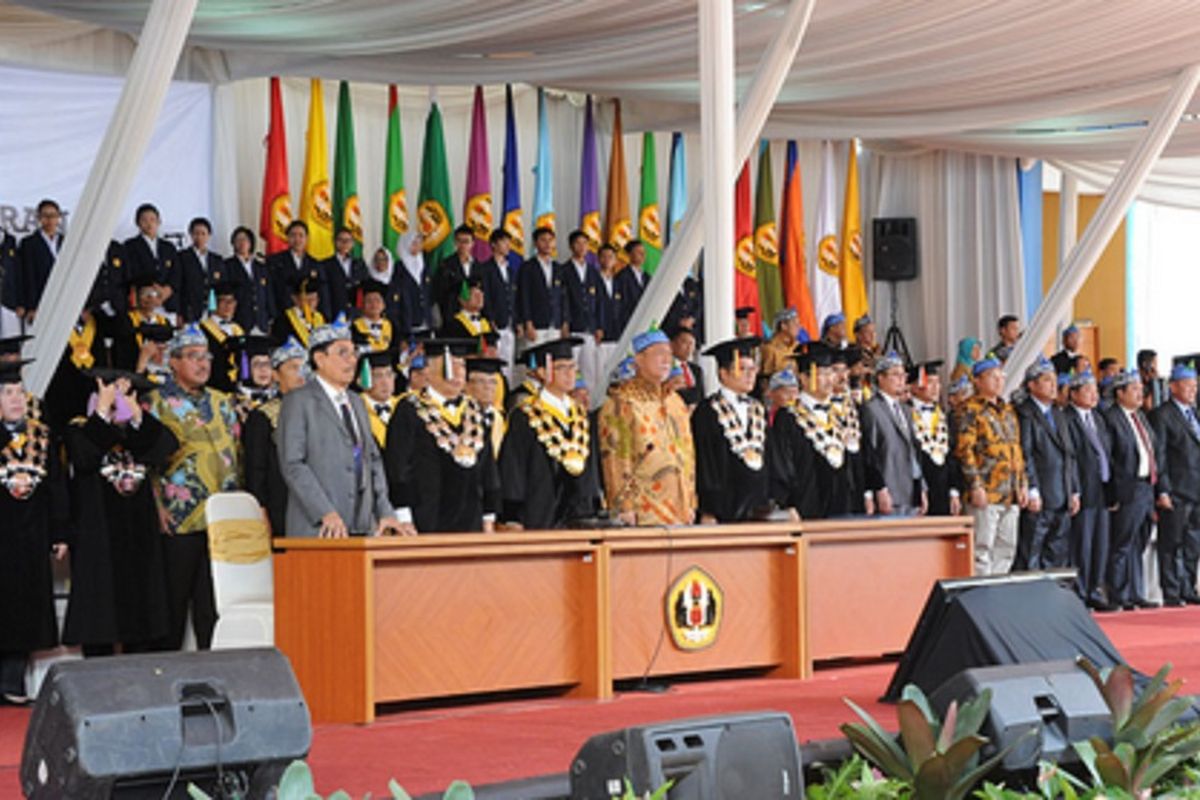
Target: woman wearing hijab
x: 970, y: 350
x: 416, y: 286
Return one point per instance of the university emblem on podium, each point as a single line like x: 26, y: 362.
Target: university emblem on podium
x: 695, y: 608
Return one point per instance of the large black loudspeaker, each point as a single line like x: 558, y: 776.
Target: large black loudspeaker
x: 895, y: 249
x: 1055, y: 699
x: 122, y: 727
x: 711, y: 758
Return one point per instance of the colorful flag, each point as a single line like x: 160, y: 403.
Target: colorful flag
x: 618, y: 227
x: 766, y: 239
x: 316, y: 206
x: 649, y: 220
x: 477, y: 210
x: 347, y: 214
x: 276, y: 199
x: 543, y: 172
x: 676, y: 187
x: 745, y: 289
x: 793, y: 265
x: 433, y: 200
x: 512, y: 177
x: 589, y: 184
x: 829, y: 295
x: 850, y: 274
x: 395, y: 200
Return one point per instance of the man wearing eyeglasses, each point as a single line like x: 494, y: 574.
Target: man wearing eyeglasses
x: 205, y: 423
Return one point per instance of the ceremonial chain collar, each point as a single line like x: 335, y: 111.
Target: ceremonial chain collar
x: 23, y: 459
x: 747, y: 443
x: 119, y: 469
x: 564, y: 436
x: 933, y: 434
x: 823, y: 431
x: 845, y: 411
x: 462, y: 444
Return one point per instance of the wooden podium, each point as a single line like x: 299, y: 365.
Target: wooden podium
x: 367, y: 621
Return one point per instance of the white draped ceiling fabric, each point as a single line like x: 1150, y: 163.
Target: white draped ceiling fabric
x: 1074, y: 81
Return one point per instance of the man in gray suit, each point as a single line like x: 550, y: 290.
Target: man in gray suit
x: 329, y: 459
x: 891, y: 457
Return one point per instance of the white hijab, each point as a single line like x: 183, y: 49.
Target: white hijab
x: 384, y: 277
x: 415, y: 264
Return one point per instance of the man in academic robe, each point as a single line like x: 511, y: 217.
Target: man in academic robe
x: 372, y: 329
x: 344, y: 273
x: 1064, y: 360
x: 453, y: 270
x: 468, y: 321
x: 632, y: 280
x: 581, y: 281
x: 1045, y: 534
x: 219, y: 328
x: 285, y: 266
x: 149, y: 254
x: 867, y: 341
x: 440, y: 465
x: 301, y: 316
x: 743, y: 321
x: 844, y: 406
x: 931, y: 427
x: 485, y: 383
x: 129, y: 337
x: 37, y: 254
x: 248, y: 272
x: 200, y: 266
x: 1178, y: 429
x: 647, y: 458
x: 547, y: 467
x: 255, y: 379
x: 1092, y: 444
x: 541, y: 297
x: 729, y: 432
x: 808, y: 468
x: 377, y: 385
x: 892, y: 467
x: 264, y: 479
x: 683, y: 349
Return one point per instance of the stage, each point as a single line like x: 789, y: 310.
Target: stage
x: 426, y: 749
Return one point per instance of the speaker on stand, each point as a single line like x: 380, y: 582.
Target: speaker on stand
x: 895, y: 259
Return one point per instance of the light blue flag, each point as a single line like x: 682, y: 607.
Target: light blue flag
x: 676, y: 186
x: 543, y: 186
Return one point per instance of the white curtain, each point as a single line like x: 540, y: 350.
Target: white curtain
x: 969, y: 246
x: 1163, y: 280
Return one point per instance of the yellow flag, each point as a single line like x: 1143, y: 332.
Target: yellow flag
x: 850, y: 272
x: 316, y: 202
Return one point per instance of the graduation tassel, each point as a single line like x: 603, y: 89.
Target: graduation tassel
x: 212, y: 301
x: 737, y: 363
x: 245, y: 366
x: 447, y: 365
x: 923, y: 381
x: 812, y: 376
x: 364, y: 375
x: 549, y: 369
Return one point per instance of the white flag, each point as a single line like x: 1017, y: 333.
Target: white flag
x: 825, y: 281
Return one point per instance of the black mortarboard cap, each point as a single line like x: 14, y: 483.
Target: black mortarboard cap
x: 723, y: 351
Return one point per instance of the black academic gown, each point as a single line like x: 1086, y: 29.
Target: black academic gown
x: 726, y: 487
x: 801, y: 477
x: 539, y: 493
x: 264, y: 479
x: 444, y: 496
x: 27, y: 617
x: 118, y: 580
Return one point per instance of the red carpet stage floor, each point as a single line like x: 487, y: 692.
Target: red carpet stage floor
x: 426, y: 749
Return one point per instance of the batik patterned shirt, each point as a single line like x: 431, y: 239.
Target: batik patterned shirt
x: 989, y: 449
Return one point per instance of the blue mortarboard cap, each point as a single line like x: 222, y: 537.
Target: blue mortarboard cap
x: 1072, y: 328
x: 189, y: 335
x: 647, y: 338
x: 889, y: 361
x: 1182, y: 372
x: 1126, y: 377
x: 984, y: 364
x: 338, y: 329
x: 960, y: 386
x: 286, y: 352
x: 1082, y: 379
x: 1064, y: 379
x: 1039, y: 368
x: 831, y: 320
x: 784, y: 315
x: 783, y: 379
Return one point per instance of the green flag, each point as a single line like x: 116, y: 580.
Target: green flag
x: 433, y: 201
x: 395, y: 201
x: 649, y: 220
x: 766, y: 240
x: 346, y: 213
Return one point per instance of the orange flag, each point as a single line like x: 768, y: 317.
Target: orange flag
x: 618, y: 227
x: 793, y: 267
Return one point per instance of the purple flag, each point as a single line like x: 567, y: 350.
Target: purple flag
x: 477, y: 208
x: 589, y: 185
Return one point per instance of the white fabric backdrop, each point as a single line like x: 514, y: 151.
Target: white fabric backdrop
x: 53, y: 124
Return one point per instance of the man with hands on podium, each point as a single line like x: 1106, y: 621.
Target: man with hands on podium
x: 330, y: 462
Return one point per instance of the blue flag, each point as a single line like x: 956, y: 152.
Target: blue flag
x: 512, y: 221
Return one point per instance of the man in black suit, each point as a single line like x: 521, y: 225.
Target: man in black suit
x: 541, y: 298
x: 452, y: 271
x: 1044, y: 541
x: 1138, y: 485
x: 284, y: 267
x: 890, y: 453
x: 632, y: 280
x: 1064, y: 360
x: 581, y: 282
x: 683, y: 349
x: 608, y: 305
x: 687, y: 308
x: 1178, y: 431
x: 1092, y: 443
x: 500, y: 292
x: 199, y: 265
x: 150, y: 254
x: 344, y: 273
x: 10, y: 285
x: 37, y: 253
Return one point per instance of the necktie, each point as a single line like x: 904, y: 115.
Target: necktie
x: 1191, y: 418
x: 1089, y: 425
x: 348, y: 421
x: 1141, y: 432
x: 898, y: 413
x: 1049, y: 412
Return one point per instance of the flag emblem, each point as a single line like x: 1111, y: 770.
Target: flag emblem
x: 650, y: 226
x: 591, y: 228
x: 435, y: 225
x: 398, y: 211
x: 352, y: 218
x: 479, y: 215
x: 827, y: 255
x: 695, y: 607
x: 745, y: 256
x: 516, y: 229
x: 281, y: 215
x: 322, y: 204
x: 766, y: 243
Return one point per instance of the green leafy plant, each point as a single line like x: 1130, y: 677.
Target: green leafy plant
x: 1148, y: 743
x: 855, y: 779
x: 658, y: 794
x: 939, y: 760
x: 297, y: 784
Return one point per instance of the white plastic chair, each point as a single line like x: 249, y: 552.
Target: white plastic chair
x: 243, y: 584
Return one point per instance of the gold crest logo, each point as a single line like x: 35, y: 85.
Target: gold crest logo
x: 281, y: 215
x: 591, y: 228
x: 745, y: 256
x: 479, y: 215
x: 434, y: 224
x: 322, y: 205
x: 622, y: 233
x: 766, y: 243
x: 827, y: 255
x: 650, y: 226
x: 856, y: 246
x: 516, y: 230
x: 695, y: 606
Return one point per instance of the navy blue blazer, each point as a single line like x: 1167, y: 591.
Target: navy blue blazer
x: 538, y: 302
x: 500, y: 290
x: 36, y: 263
x: 197, y: 279
x: 163, y: 265
x: 255, y: 298
x: 632, y: 289
x: 342, y: 289
x: 10, y: 272
x: 1049, y: 456
x: 583, y: 297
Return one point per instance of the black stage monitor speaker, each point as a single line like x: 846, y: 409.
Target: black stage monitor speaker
x: 1056, y: 699
x: 124, y: 726
x: 895, y: 249
x: 711, y: 758
x: 1002, y: 619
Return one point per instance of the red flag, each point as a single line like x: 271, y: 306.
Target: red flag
x: 792, y: 264
x: 745, y: 288
x: 276, y: 199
